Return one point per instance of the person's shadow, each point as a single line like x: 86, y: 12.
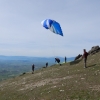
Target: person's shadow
x: 92, y: 65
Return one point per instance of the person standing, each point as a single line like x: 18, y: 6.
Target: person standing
x: 47, y: 64
x: 65, y: 59
x: 85, y: 54
x: 33, y: 69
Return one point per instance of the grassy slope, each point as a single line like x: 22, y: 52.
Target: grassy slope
x: 67, y: 82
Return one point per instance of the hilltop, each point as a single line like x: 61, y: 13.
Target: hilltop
x: 71, y: 81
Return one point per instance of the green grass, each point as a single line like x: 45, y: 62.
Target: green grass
x: 67, y: 82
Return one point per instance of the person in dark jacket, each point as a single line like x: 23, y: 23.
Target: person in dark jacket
x: 65, y: 59
x: 47, y: 64
x: 85, y: 54
x: 57, y: 60
x: 33, y: 69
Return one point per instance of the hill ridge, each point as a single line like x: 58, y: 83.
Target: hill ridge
x: 71, y: 81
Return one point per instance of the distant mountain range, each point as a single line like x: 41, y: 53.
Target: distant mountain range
x: 2, y: 57
x: 25, y: 60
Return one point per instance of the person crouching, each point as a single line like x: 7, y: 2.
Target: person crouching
x: 57, y: 60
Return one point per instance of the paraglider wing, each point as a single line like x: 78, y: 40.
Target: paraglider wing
x: 47, y: 23
x: 53, y: 26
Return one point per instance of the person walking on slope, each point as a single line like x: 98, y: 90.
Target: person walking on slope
x: 85, y: 54
x: 57, y: 60
x: 33, y: 69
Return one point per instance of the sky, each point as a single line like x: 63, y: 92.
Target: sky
x: 21, y: 32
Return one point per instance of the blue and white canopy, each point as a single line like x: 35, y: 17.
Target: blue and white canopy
x: 53, y: 26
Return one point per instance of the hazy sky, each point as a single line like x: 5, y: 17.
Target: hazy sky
x: 22, y: 34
